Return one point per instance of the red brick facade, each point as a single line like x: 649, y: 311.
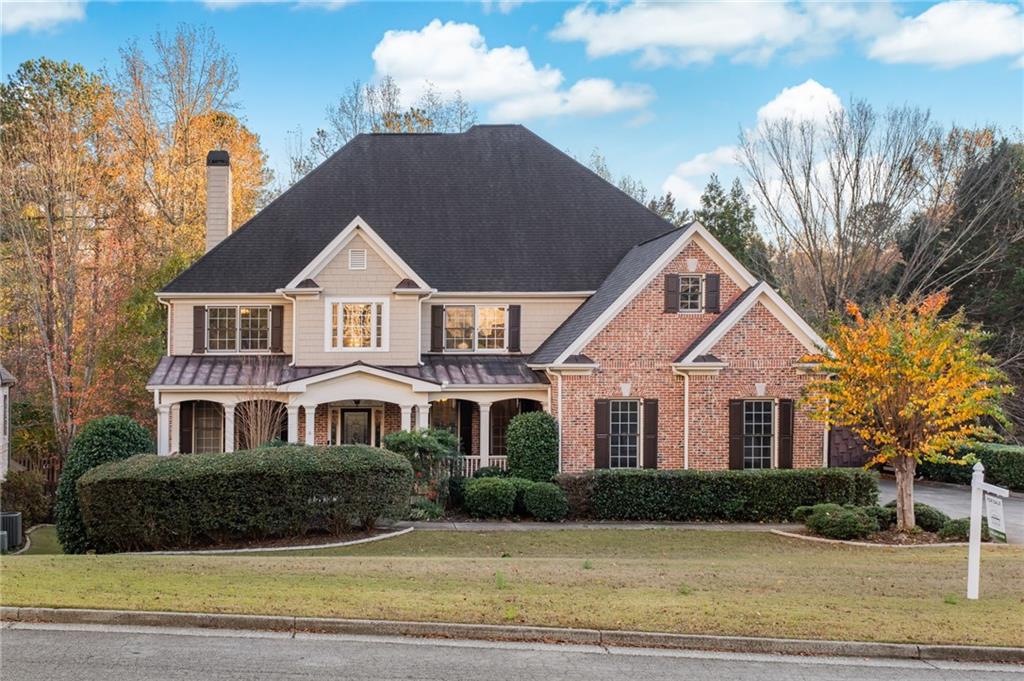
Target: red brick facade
x: 638, y: 348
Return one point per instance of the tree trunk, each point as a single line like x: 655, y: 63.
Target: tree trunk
x: 905, y: 467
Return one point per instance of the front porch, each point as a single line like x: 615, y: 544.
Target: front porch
x: 351, y: 405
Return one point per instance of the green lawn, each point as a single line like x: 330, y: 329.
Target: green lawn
x: 663, y: 580
x: 44, y: 541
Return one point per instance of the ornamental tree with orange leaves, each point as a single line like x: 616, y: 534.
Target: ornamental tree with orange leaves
x: 915, y: 385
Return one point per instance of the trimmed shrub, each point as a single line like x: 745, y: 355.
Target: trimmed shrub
x: 521, y: 485
x: 840, y: 522
x: 928, y: 518
x: 25, y: 492
x: 434, y: 455
x: 490, y: 497
x: 490, y: 472
x: 150, y: 502
x: 883, y: 515
x: 546, y: 501
x: 1004, y: 466
x: 738, y: 496
x: 960, y: 530
x: 111, y: 438
x: 532, y: 444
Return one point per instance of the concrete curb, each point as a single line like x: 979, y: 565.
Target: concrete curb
x: 497, y: 632
x: 847, y: 542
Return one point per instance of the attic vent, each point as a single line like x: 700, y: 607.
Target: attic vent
x: 357, y: 259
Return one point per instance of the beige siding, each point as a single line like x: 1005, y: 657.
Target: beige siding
x: 539, y: 316
x: 377, y: 280
x: 181, y: 319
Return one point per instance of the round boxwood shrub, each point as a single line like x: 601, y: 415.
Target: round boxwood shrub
x: 150, y: 502
x: 840, y: 522
x: 884, y: 516
x: 546, y: 501
x: 521, y: 485
x: 111, y: 438
x: 25, y: 492
x: 532, y: 444
x: 490, y: 497
x: 928, y: 518
x: 960, y: 530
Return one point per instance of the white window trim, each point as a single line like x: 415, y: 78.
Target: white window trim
x: 639, y: 433
x: 703, y: 293
x: 775, y: 430
x: 385, y: 326
x: 238, y: 330
x: 503, y: 350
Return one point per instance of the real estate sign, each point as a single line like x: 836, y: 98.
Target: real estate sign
x: 994, y: 512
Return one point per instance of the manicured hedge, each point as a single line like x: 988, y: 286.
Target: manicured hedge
x: 1004, y: 466
x: 150, y: 502
x: 545, y: 501
x: 532, y: 443
x: 739, y: 496
x: 491, y: 497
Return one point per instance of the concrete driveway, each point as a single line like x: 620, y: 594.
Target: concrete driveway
x: 955, y: 501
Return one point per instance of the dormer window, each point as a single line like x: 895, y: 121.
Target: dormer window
x: 691, y: 293
x: 357, y: 259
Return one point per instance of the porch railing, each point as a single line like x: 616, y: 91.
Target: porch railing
x: 471, y: 464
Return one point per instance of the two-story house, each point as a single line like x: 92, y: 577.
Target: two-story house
x: 455, y: 280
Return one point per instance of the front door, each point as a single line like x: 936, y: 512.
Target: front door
x: 355, y: 426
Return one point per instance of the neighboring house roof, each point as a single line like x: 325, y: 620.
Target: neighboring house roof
x: 800, y: 329
x: 6, y: 377
x: 237, y: 371
x: 493, y: 209
x: 632, y: 266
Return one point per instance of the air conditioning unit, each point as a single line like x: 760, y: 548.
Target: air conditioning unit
x: 10, y: 524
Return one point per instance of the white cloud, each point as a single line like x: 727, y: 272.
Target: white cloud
x: 455, y: 57
x: 329, y: 5
x: 39, y: 15
x: 503, y: 6
x: 683, y: 182
x: 952, y: 34
x: 809, y: 101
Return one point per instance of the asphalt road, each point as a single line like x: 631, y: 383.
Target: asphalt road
x: 955, y: 501
x: 91, y: 652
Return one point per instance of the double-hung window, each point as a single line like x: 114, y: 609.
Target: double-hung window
x: 238, y: 328
x: 624, y: 434
x: 356, y: 324
x: 691, y: 293
x: 758, y: 433
x: 469, y: 328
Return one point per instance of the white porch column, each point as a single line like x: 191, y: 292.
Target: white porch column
x: 423, y: 415
x: 310, y: 410
x: 485, y: 434
x: 175, y: 424
x: 406, y: 416
x: 163, y: 429
x: 293, y: 423
x: 229, y: 427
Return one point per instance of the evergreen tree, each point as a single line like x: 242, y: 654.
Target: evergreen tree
x: 730, y: 218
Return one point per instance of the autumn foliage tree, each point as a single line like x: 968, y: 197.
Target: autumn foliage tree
x: 915, y: 385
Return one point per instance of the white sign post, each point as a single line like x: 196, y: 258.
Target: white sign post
x: 978, y: 490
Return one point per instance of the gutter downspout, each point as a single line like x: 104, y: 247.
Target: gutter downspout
x: 686, y: 421
x: 559, y: 422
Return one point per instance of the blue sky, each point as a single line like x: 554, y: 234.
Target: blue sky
x: 662, y: 90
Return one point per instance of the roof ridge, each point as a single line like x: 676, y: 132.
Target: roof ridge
x: 674, y: 229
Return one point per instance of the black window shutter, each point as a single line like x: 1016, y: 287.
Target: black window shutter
x: 736, y: 434
x: 436, y: 328
x: 185, y: 428
x: 671, y: 293
x: 277, y: 328
x: 514, y: 316
x: 602, y: 421
x: 712, y: 295
x: 785, y: 431
x: 650, y: 423
x: 198, y: 329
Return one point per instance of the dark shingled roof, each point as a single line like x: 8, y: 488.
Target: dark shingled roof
x: 493, y: 209
x: 714, y: 325
x: 308, y: 283
x: 629, y: 269
x: 235, y: 370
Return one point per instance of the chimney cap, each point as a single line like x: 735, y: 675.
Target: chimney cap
x: 218, y: 157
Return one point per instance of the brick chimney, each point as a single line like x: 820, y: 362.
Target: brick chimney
x: 218, y: 197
